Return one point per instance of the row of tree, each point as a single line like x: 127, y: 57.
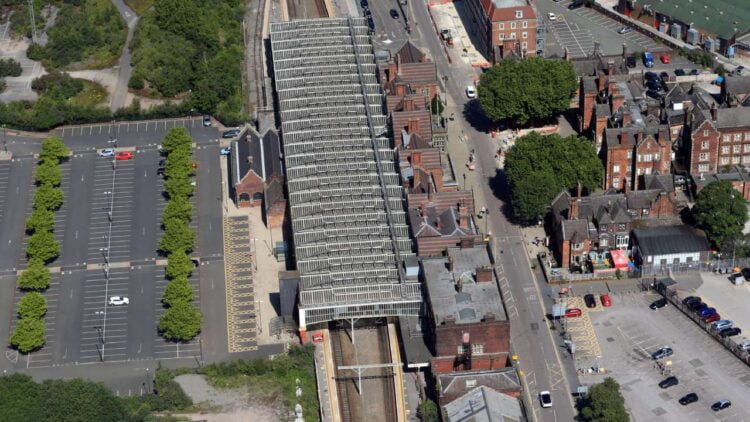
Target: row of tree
x: 42, y: 247
x: 181, y: 321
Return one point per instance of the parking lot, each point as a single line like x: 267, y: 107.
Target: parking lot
x: 577, y: 29
x: 111, y: 213
x: 628, y: 332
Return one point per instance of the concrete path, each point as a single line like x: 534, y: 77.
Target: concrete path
x: 120, y: 94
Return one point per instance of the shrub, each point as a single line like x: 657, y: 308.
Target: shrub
x: 32, y: 305
x: 57, y: 85
x: 10, y: 67
x: 136, y: 81
x: 35, y: 277
x: 28, y: 335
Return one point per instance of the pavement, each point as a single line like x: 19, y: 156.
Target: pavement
x: 540, y: 362
x: 628, y: 332
x: 124, y: 68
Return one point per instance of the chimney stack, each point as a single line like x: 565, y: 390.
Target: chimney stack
x: 714, y: 112
x: 413, y: 126
x: 566, y: 55
x: 624, y: 51
x: 408, y: 104
x: 463, y: 216
x: 484, y: 274
x: 391, y: 71
x: 416, y: 158
x: 626, y: 118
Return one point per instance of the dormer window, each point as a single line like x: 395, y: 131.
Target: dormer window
x: 519, y: 14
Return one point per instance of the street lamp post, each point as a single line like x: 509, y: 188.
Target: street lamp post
x: 257, y: 313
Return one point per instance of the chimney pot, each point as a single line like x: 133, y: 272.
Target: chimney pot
x: 416, y: 158
x: 463, y: 216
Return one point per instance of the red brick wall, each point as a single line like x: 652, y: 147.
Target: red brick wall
x: 697, y: 138
x: 494, y: 335
x: 275, y: 215
x: 250, y: 185
x: 617, y: 155
x: 587, y: 104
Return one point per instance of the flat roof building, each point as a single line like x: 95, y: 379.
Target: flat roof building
x: 346, y: 198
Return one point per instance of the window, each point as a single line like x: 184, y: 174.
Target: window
x: 525, y: 24
x: 647, y: 170
x: 736, y: 160
x: 502, y: 36
x: 477, y: 349
x: 524, y: 45
x: 703, y: 168
x: 621, y: 241
x: 656, y: 157
x: 519, y: 14
x: 639, y: 158
x: 645, y: 211
x: 725, y: 138
x: 524, y: 35
x: 747, y: 147
x: 577, y: 246
x: 648, y: 157
x: 736, y: 149
x: 703, y: 156
x: 630, y: 154
x: 513, y: 35
x: 705, y: 144
x: 747, y: 136
x: 746, y: 159
x: 502, y: 26
x: 512, y: 25
x: 603, y: 242
x: 460, y: 349
x: 705, y: 131
x: 737, y: 137
x: 638, y: 171
x: 616, y: 183
x: 675, y: 132
x: 724, y: 160
x: 725, y: 150
x: 616, y: 168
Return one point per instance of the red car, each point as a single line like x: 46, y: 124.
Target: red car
x: 606, y: 301
x: 664, y: 58
x: 573, y: 312
x: 712, y: 318
x: 124, y: 155
x: 317, y: 337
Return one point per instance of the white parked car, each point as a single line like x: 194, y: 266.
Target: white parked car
x: 545, y: 398
x: 551, y: 16
x: 226, y: 151
x: 745, y: 345
x: 722, y: 324
x: 107, y: 152
x: 118, y: 300
x: 471, y: 91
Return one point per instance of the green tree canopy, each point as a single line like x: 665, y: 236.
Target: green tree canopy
x: 178, y: 237
x: 21, y: 399
x: 28, y: 335
x: 539, y: 167
x: 80, y: 400
x: 47, y: 197
x: 179, y: 265
x: 43, y: 246
x: 605, y: 403
x: 41, y: 219
x: 428, y: 411
x: 177, y: 208
x: 48, y: 173
x: 10, y: 67
x: 35, y: 277
x: 54, y: 149
x: 32, y: 305
x: 526, y: 90
x: 720, y: 211
x: 181, y: 322
x: 179, y: 187
x: 176, y: 138
x: 178, y: 290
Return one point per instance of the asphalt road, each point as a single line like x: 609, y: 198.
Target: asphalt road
x: 539, y: 355
x: 124, y: 68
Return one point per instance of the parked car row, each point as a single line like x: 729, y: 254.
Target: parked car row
x: 590, y: 301
x: 724, y: 328
x: 670, y: 381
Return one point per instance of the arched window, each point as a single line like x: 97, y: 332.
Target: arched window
x: 258, y: 196
x: 244, y: 196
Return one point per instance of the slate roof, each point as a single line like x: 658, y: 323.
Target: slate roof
x: 473, y: 300
x: 504, y: 10
x: 612, y: 134
x: 483, y: 404
x: 455, y: 383
x: 736, y: 117
x: 400, y: 121
x: 435, y: 223
x: 256, y: 153
x: 409, y: 53
x: 417, y: 73
x: 665, y: 240
x: 663, y: 182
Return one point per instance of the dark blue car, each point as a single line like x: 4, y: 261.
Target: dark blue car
x: 706, y: 312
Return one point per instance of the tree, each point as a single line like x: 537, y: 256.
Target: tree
x: 32, y: 305
x: 48, y: 173
x: 54, y: 149
x: 35, y: 277
x: 178, y: 290
x: 47, y: 197
x: 176, y: 138
x: 605, y: 403
x: 720, y: 211
x: 428, y: 411
x: 22, y: 398
x: 179, y: 187
x: 41, y: 219
x: 179, y: 265
x: 10, y: 67
x: 523, y: 91
x: 28, y: 335
x: 43, y: 246
x: 178, y: 236
x: 177, y: 208
x: 179, y: 163
x: 538, y: 167
x: 181, y: 322
x: 81, y: 400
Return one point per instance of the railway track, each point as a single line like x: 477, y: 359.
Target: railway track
x: 258, y: 58
x: 343, y: 387
x: 389, y: 391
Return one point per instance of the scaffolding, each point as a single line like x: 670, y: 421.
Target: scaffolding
x: 346, y: 198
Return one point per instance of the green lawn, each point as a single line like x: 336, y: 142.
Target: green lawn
x: 139, y: 6
x: 93, y: 94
